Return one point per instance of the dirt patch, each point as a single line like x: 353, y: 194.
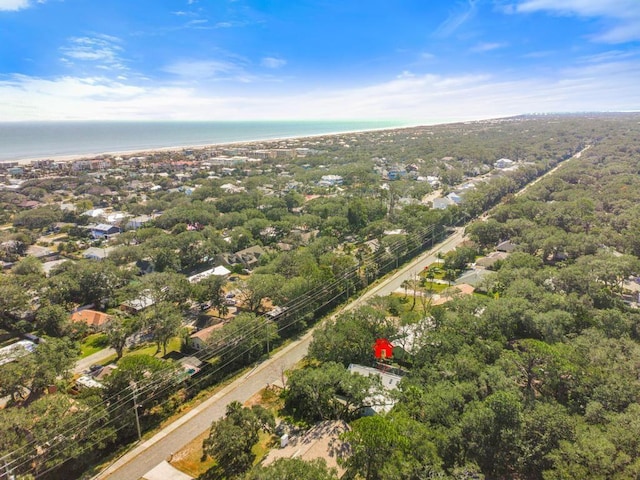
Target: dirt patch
x: 189, y: 459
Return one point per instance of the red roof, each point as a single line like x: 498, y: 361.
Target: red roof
x: 92, y: 318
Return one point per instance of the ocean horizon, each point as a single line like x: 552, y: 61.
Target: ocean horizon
x: 20, y: 141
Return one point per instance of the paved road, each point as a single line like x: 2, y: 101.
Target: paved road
x: 84, y: 363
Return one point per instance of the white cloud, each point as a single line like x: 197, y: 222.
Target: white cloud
x: 204, y: 69
x: 420, y: 98
x: 103, y: 50
x: 488, y: 46
x: 457, y: 19
x: 273, y: 62
x: 624, y: 14
x: 13, y: 5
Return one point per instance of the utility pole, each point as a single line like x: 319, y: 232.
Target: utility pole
x: 267, y: 330
x: 7, y: 470
x: 134, y: 389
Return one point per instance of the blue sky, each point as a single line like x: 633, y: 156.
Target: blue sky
x: 419, y: 61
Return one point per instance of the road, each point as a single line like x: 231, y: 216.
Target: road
x: 84, y: 363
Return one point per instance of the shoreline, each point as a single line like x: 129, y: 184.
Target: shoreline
x: 176, y: 148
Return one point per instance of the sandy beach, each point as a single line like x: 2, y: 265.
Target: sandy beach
x: 179, y: 148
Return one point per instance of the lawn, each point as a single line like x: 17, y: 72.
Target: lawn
x: 92, y: 344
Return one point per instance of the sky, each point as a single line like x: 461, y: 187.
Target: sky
x: 415, y: 61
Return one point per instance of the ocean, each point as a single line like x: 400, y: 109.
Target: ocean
x: 39, y: 140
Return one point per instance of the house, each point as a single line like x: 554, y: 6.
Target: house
x: 139, y: 304
x: 379, y: 402
x: 248, y: 258
x: 104, y: 230
x: 219, y: 271
x: 491, y: 259
x: 12, y: 352
x: 457, y: 199
x: 503, y: 163
x: 139, y: 221
x: 92, y: 318
x: 474, y: 277
x: 506, y: 246
x: 383, y: 348
x: 330, y: 181
x: 199, y: 339
x: 442, y: 203
x: 95, y: 253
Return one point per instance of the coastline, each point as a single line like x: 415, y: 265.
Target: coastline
x: 177, y: 148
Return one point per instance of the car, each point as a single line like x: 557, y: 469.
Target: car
x: 230, y: 295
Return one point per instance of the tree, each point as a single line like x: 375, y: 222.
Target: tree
x: 231, y: 438
x: 311, y: 393
x: 53, y: 320
x: 211, y: 290
x: 245, y: 339
x: 490, y: 432
x: 31, y: 373
x: 164, y: 321
x: 54, y: 358
x: 167, y: 287
x: 392, y: 446
x: 29, y: 265
x: 349, y: 337
x: 257, y: 288
x: 118, y: 330
x: 14, y: 302
x: 81, y: 426
x: 293, y: 469
x: 38, y: 218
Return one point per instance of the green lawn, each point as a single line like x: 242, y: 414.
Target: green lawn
x: 96, y: 342
x: 92, y: 344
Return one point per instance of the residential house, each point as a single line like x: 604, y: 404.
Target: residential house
x: 139, y: 221
x: 379, y: 402
x: 506, y: 246
x: 219, y: 271
x: 457, y: 199
x: 12, y: 352
x: 199, y: 338
x: 503, y: 163
x: 449, y: 294
x: 248, y: 258
x: 330, y: 181
x: 442, y: 203
x: 137, y: 305
x: 96, y: 253
x: 92, y: 318
x: 104, y: 230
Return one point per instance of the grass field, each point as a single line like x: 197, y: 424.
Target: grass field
x: 92, y: 344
